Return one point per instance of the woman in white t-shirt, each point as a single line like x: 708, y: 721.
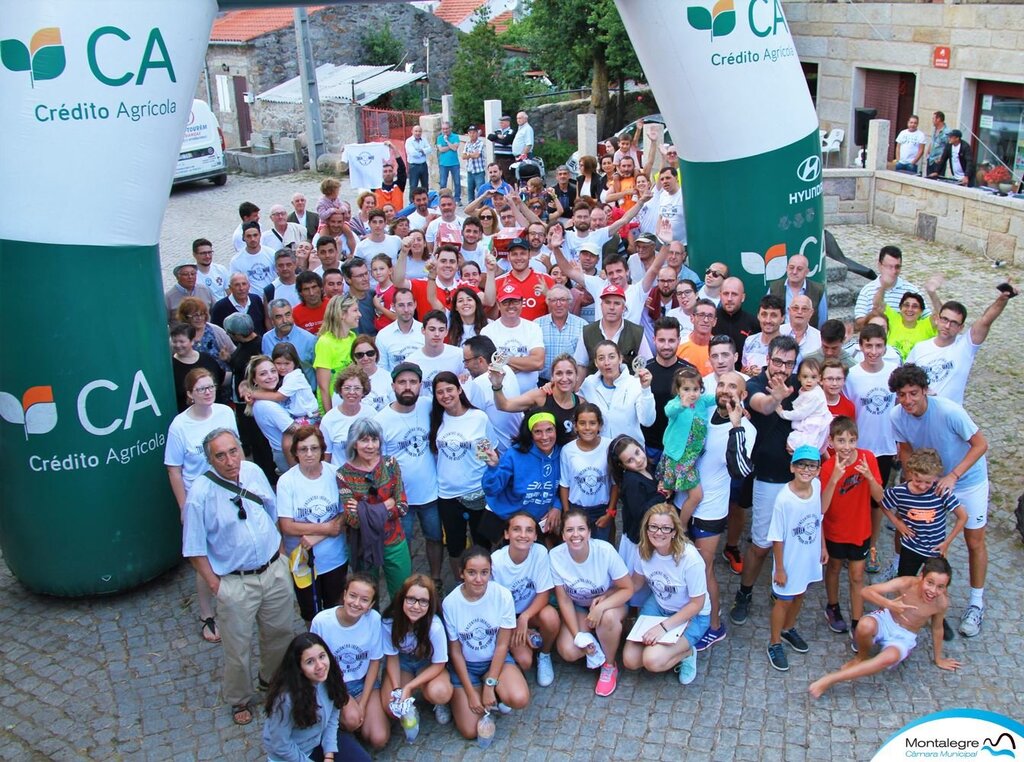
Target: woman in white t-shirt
x: 523, y: 568
x: 466, y: 314
x: 271, y: 417
x: 353, y: 632
x: 351, y: 386
x: 186, y: 462
x: 416, y: 647
x: 671, y: 567
x: 592, y: 586
x: 365, y: 356
x: 459, y: 434
x: 309, y: 515
x: 294, y: 394
x: 585, y: 481
x: 480, y: 617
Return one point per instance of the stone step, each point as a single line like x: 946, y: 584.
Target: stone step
x: 834, y: 271
x: 840, y: 295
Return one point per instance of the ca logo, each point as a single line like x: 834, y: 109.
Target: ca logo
x: 42, y: 59
x: 36, y: 411
x: 809, y: 169
x: 720, y: 20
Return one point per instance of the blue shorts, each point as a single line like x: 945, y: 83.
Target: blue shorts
x: 355, y: 687
x: 780, y: 597
x: 412, y: 665
x: 476, y: 669
x: 430, y: 521
x: 695, y: 628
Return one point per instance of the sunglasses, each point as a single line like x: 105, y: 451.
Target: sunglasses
x: 237, y: 500
x: 714, y: 273
x: 367, y: 353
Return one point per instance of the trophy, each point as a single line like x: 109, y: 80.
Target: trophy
x: 482, y: 448
x: 638, y: 364
x: 499, y: 360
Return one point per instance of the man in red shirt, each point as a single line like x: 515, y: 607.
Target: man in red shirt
x: 309, y: 312
x: 446, y: 278
x: 531, y: 285
x: 850, y: 480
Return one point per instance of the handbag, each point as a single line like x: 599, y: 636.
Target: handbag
x: 474, y: 501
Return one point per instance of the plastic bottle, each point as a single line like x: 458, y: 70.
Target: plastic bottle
x: 485, y: 728
x: 535, y: 639
x: 411, y: 724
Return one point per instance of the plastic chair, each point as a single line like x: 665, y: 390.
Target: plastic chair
x: 831, y: 144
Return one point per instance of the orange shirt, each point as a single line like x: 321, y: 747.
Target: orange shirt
x: 697, y: 355
x: 626, y: 184
x: 393, y: 197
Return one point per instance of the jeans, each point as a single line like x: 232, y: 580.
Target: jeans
x: 456, y: 175
x: 419, y: 177
x: 474, y: 180
x: 905, y: 166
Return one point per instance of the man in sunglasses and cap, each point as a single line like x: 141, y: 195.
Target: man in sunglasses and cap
x: 230, y: 536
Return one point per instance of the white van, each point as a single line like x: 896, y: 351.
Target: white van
x: 202, y: 148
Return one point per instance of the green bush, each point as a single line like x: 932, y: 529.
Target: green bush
x: 554, y: 152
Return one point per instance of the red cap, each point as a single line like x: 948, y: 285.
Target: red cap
x: 611, y: 290
x: 508, y: 291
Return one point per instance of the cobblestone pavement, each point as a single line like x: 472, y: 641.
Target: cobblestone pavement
x: 128, y: 677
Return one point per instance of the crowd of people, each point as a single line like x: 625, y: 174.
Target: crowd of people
x: 580, y: 422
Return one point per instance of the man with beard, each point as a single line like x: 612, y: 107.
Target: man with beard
x: 582, y: 231
x: 399, y: 339
x: 529, y: 284
x: 661, y: 300
x: 405, y: 426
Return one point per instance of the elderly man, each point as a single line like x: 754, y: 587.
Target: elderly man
x: 645, y: 244
x: 476, y: 162
x: 239, y: 301
x: 308, y: 221
x: 230, y: 536
x: 796, y: 283
x: 255, y: 259
x: 282, y: 233
x: 560, y: 328
x: 448, y: 160
x: 677, y: 257
x: 613, y: 326
x: 696, y: 349
x: 523, y: 142
x: 284, y: 329
x: 502, y: 139
x: 284, y: 285
x: 799, y: 326
x: 418, y: 150
x: 186, y: 285
x: 731, y: 319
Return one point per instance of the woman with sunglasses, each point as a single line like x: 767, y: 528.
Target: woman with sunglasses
x: 186, y: 462
x: 309, y: 515
x: 372, y: 494
x: 365, y: 356
x: 671, y: 567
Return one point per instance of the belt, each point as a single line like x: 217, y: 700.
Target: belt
x: 259, y: 569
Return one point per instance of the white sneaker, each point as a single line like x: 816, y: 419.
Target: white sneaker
x: 504, y: 708
x: 688, y: 668
x: 442, y: 714
x: 545, y: 672
x: 970, y: 622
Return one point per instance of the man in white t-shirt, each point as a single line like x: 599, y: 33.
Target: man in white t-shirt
x: 249, y: 212
x: 582, y: 231
x: 378, y: 241
x: 521, y: 339
x: 282, y: 233
x: 949, y: 356
x: 435, y: 356
x: 476, y: 356
x: 256, y: 261
x: 215, y: 277
x: 799, y: 326
x: 422, y: 214
x: 667, y: 204
x: 447, y: 228
x: 399, y: 339
x: 910, y: 145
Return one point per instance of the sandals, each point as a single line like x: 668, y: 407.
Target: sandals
x: 241, y: 714
x: 209, y: 630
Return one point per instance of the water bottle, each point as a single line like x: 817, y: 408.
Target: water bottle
x: 411, y: 724
x: 535, y: 639
x: 485, y: 731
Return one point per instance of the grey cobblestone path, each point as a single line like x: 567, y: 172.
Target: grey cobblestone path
x: 127, y: 677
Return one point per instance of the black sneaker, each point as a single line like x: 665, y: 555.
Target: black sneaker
x: 947, y: 631
x: 777, y: 657
x: 740, y: 608
x: 798, y: 644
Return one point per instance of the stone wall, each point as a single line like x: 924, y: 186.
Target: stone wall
x: 557, y: 121
x: 989, y: 225
x: 847, y: 196
x: 340, y: 121
x: 987, y: 43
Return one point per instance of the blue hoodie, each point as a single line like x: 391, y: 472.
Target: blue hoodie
x: 523, y: 481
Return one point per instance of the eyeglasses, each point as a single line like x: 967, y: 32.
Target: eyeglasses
x: 806, y: 465
x: 685, y: 292
x: 237, y: 500
x: 367, y: 353
x: 487, y: 216
x: 556, y: 299
x: 352, y: 389
x: 949, y: 322
x: 203, y: 389
x: 418, y: 602
x: 777, y: 363
x: 308, y: 449
x: 660, y: 530
x: 703, y: 316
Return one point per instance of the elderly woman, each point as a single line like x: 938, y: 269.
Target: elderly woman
x: 348, y: 404
x: 210, y: 338
x: 333, y: 351
x: 309, y: 515
x: 373, y: 496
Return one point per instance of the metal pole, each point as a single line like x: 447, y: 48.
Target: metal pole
x: 310, y: 93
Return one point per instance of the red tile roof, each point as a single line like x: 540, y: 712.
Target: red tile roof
x: 456, y: 11
x: 501, y: 21
x: 242, y: 26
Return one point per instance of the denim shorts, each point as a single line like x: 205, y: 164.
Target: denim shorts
x: 355, y: 687
x: 476, y: 669
x: 412, y: 665
x: 695, y: 628
x: 430, y: 521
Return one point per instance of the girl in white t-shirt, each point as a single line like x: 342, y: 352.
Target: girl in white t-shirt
x: 353, y: 632
x: 585, y: 481
x: 480, y: 617
x: 416, y: 647
x: 673, y: 569
x: 522, y: 567
x: 592, y: 587
x: 295, y: 394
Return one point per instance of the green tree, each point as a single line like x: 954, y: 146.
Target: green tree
x: 481, y: 72
x: 380, y: 47
x: 580, y: 41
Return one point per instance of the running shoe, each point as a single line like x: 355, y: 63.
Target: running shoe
x: 835, y: 620
x: 793, y: 639
x: 710, y: 637
x: 688, y: 668
x: 970, y: 622
x: 853, y: 643
x: 873, y: 567
x: 734, y: 559
x: 608, y: 680
x: 740, y: 608
x: 442, y: 714
x: 545, y: 672
x: 504, y: 708
x: 777, y: 657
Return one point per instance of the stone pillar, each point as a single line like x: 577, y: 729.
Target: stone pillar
x: 492, y: 117
x: 431, y: 124
x: 878, y: 145
x: 586, y: 134
x: 447, y: 107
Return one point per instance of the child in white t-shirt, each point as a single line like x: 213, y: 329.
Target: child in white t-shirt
x: 798, y: 551
x: 294, y: 394
x: 810, y: 414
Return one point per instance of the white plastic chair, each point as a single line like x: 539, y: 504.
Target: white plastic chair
x: 831, y: 144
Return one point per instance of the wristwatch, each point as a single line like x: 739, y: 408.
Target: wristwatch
x: 491, y: 682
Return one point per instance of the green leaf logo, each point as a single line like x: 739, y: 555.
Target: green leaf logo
x: 43, y: 58
x: 720, y: 20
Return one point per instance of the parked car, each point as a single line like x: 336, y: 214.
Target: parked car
x: 574, y: 161
x: 202, y: 148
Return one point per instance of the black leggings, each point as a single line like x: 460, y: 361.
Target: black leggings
x: 456, y: 519
x: 330, y: 586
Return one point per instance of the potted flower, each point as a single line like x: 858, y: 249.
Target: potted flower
x: 999, y: 177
